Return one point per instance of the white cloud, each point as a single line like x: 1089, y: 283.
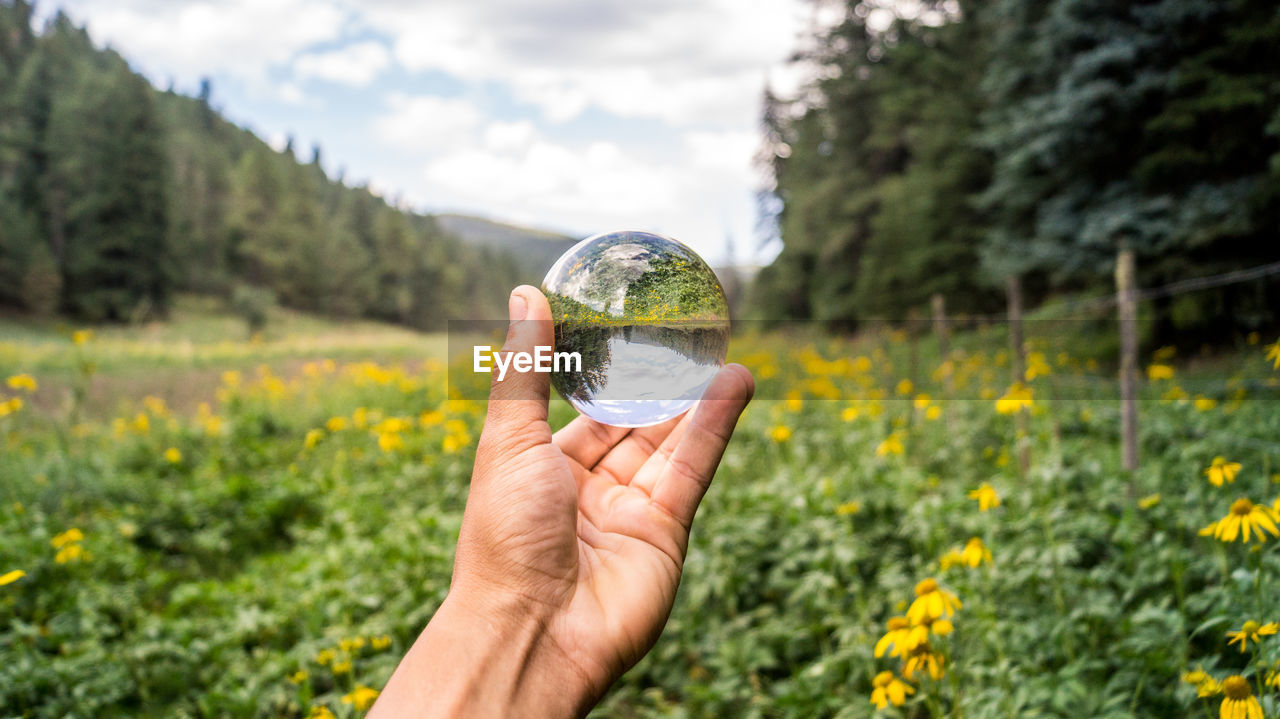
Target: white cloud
x: 427, y: 123
x: 356, y: 65
x: 290, y: 94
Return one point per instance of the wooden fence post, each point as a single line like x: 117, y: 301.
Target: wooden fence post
x: 1126, y: 304
x: 939, y: 304
x: 1018, y: 367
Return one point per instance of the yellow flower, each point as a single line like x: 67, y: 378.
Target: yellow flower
x: 919, y: 633
x: 1239, y: 701
x: 933, y: 412
x: 896, y: 637
x: 313, y: 438
x: 1252, y: 631
x: 932, y: 602
x: 69, y: 553
x: 975, y: 553
x: 921, y: 401
x: 1273, y: 353
x: 324, y: 656
x: 923, y: 659
x: 431, y: 419
x: 320, y: 711
x: 10, y: 406
x: 1149, y: 501
x: 794, y: 402
x: 1016, y: 399
x: 1221, y: 471
x: 142, y: 423
x: 1273, y: 678
x: 888, y: 689
x: 1204, y: 404
x: 63, y: 539
x: 1243, y: 516
x: 380, y: 643
x: 848, y: 508
x: 952, y: 558
x: 904, y: 387
x: 80, y: 337
x: 849, y: 414
x: 389, y: 442
x: 22, y: 381
x: 986, y: 496
x: 1158, y: 372
x: 299, y: 676
x: 361, y: 697
x: 451, y: 444
x: 891, y: 445
x: 1206, y: 686
x: 336, y: 424
x: 11, y: 577
x: 342, y: 666
x: 780, y: 433
x: 173, y: 455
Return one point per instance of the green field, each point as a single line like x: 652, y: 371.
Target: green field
x: 211, y: 526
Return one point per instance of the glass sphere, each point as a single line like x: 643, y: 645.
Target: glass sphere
x: 648, y: 318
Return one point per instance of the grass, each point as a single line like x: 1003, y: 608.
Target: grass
x: 277, y: 549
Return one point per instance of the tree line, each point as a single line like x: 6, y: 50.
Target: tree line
x: 114, y: 196
x: 977, y: 140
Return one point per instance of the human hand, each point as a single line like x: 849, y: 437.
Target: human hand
x: 571, y: 547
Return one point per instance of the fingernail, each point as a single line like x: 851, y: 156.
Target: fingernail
x: 517, y: 307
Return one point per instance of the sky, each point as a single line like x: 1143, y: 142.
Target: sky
x: 580, y: 116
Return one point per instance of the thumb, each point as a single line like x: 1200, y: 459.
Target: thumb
x: 517, y: 410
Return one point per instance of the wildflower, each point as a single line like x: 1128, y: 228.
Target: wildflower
x: 380, y: 643
x: 389, y: 442
x: 142, y: 423
x: 1252, y: 631
x: 849, y: 508
x: 931, y: 601
x: 952, y: 558
x: 342, y: 666
x: 351, y: 645
x: 81, y: 337
x: 1239, y: 702
x: 451, y: 444
x: 1221, y: 471
x: 22, y: 381
x: 11, y: 405
x: 849, y: 414
x: 1157, y: 372
x: 794, y: 402
x: 1273, y: 678
x: 11, y: 577
x: 431, y: 418
x: 324, y: 656
x: 69, y: 553
x: 1015, y: 400
x: 320, y: 711
x: 1273, y: 354
x: 313, y: 438
x: 896, y: 637
x: 986, y: 496
x: 1037, y: 366
x: 919, y: 633
x: 780, y: 433
x: 1149, y: 501
x: 933, y: 412
x: 923, y: 659
x: 891, y: 445
x: 1204, y: 404
x: 299, y: 676
x: 1206, y: 686
x: 888, y: 689
x: 921, y: 401
x: 1243, y: 516
x: 361, y: 697
x: 68, y: 537
x: 173, y: 455
x: 975, y: 553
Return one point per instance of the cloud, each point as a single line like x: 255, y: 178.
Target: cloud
x: 355, y: 65
x: 427, y: 123
x: 682, y: 62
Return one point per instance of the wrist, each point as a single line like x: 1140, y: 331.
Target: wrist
x: 484, y: 659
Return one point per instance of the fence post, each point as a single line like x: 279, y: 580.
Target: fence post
x: 1126, y: 303
x: 1018, y: 367
x: 939, y: 304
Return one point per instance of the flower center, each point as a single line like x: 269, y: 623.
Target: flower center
x: 928, y: 586
x: 1236, y: 687
x: 1250, y: 627
x: 1241, y: 507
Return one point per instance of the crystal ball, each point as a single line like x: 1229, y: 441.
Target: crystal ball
x: 648, y: 318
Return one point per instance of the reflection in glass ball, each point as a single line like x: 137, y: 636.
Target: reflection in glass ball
x: 649, y: 319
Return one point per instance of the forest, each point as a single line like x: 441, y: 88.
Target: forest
x: 115, y: 196
x: 968, y: 142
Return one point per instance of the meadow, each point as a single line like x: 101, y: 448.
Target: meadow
x: 195, y: 524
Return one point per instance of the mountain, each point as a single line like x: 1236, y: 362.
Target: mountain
x: 534, y: 250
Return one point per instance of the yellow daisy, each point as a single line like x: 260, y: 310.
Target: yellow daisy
x: 931, y: 601
x: 1239, y: 702
x: 1252, y: 631
x: 919, y: 633
x: 1243, y: 517
x: 889, y: 689
x: 923, y: 659
x: 896, y: 637
x: 1221, y: 471
x: 986, y: 496
x: 1206, y: 686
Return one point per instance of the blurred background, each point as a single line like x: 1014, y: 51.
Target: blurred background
x: 1006, y: 272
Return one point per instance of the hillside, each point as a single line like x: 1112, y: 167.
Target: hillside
x: 533, y: 250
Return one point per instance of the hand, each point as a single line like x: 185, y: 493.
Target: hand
x: 571, y: 548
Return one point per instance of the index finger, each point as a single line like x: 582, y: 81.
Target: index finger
x: 687, y: 473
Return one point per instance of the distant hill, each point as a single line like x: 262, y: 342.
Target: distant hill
x: 534, y: 250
